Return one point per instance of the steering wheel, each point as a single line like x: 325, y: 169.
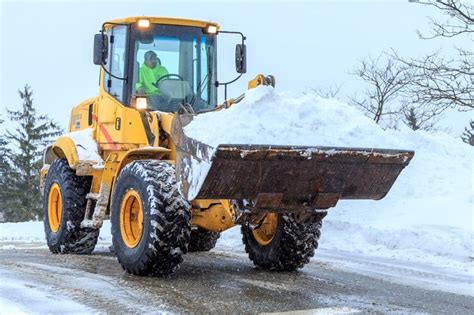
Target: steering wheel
x: 186, y: 109
x: 167, y: 76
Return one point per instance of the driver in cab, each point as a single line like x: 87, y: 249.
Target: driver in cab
x: 150, y: 72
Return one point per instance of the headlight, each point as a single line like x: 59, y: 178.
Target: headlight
x: 141, y: 103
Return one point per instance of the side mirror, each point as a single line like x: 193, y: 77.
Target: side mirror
x: 240, y: 58
x: 101, y: 49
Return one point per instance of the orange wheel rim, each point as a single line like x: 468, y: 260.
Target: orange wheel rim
x: 265, y: 233
x: 55, y: 207
x: 131, y: 218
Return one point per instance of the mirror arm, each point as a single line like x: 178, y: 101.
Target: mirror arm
x: 217, y: 83
x: 102, y: 31
x: 238, y: 33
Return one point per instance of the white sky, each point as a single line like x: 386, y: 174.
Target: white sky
x: 48, y: 44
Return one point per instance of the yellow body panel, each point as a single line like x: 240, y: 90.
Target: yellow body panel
x: 258, y: 80
x: 217, y: 215
x: 157, y: 153
x: 166, y: 121
x: 64, y: 147
x: 80, y: 115
x: 164, y: 20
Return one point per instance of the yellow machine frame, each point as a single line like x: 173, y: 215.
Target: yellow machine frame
x: 120, y: 146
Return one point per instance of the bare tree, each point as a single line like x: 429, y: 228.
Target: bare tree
x: 461, y: 19
x: 386, y: 79
x: 330, y: 92
x: 439, y: 82
x: 442, y: 83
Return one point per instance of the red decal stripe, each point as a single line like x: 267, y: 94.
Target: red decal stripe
x: 104, y: 130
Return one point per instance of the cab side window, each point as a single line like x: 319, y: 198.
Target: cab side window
x: 116, y: 63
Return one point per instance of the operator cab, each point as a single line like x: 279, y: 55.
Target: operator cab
x: 180, y: 79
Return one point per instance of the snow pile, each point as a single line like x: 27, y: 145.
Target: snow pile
x: 427, y: 215
x: 264, y: 117
x: 86, y: 146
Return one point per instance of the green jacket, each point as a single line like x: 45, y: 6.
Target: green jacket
x: 148, y: 78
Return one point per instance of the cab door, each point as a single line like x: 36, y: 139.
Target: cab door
x: 120, y: 126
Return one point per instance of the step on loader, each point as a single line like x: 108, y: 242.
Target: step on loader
x: 126, y: 158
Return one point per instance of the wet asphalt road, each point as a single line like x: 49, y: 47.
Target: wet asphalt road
x: 218, y: 282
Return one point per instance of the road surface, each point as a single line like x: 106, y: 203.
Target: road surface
x: 226, y: 282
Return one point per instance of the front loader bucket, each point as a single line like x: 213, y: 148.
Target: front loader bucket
x: 275, y: 177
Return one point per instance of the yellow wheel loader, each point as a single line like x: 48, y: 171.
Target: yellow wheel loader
x: 127, y: 159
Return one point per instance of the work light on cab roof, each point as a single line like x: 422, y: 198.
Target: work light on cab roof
x: 143, y: 23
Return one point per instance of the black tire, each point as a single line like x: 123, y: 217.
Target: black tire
x: 166, y: 219
x: 70, y: 237
x: 291, y: 248
x: 202, y: 240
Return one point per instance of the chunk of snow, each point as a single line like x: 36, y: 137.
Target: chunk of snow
x: 195, y: 170
x: 87, y: 149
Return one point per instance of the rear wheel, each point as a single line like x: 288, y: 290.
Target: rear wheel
x: 203, y: 240
x: 150, y: 219
x: 64, y: 206
x: 281, y: 242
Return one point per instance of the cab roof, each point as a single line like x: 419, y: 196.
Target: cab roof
x: 164, y: 20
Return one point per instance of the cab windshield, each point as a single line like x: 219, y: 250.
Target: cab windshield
x: 173, y: 66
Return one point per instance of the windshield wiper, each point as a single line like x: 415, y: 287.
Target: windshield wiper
x: 193, y: 100
x: 206, y: 78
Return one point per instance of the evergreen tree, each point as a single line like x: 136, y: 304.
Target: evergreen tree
x: 5, y: 173
x: 418, y: 117
x: 468, y: 134
x: 28, y: 141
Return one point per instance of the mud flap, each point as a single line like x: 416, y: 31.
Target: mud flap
x: 274, y: 176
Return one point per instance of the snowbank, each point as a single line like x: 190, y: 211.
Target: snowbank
x: 18, y: 235
x: 427, y: 215
x: 22, y: 232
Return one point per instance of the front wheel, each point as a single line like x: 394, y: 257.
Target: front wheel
x: 280, y: 242
x: 150, y: 219
x: 64, y: 206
